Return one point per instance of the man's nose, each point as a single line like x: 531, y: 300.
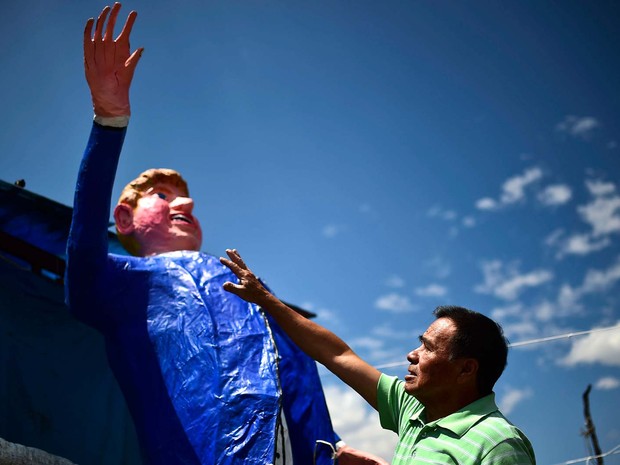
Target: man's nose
x: 412, y: 357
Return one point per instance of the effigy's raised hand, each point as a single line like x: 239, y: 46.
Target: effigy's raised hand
x: 108, y: 64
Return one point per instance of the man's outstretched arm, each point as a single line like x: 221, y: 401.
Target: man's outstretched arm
x: 318, y: 342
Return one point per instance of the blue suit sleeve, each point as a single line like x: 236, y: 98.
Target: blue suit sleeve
x: 87, y: 246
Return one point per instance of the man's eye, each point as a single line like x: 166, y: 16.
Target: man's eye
x: 161, y: 195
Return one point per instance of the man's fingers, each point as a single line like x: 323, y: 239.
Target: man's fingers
x: 124, y: 35
x: 235, y: 257
x: 232, y: 265
x: 232, y: 253
x: 231, y: 287
x: 100, y: 20
x: 109, y: 30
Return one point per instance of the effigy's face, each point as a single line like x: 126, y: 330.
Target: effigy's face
x: 163, y: 221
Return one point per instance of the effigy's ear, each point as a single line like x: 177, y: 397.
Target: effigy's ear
x: 123, y: 217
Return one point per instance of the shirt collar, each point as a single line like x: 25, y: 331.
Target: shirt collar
x: 462, y: 420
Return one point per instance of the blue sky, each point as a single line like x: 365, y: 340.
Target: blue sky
x: 372, y: 160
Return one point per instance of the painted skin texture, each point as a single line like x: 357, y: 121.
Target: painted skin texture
x: 161, y: 222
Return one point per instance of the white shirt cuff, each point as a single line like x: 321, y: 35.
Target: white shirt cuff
x: 112, y: 121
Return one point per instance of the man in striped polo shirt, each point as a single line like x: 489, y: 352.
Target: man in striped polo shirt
x: 444, y: 412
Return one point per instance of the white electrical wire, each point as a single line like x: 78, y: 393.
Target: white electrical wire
x: 522, y: 343
x: 615, y: 450
x: 563, y: 336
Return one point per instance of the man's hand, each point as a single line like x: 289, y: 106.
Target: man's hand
x: 249, y: 288
x: 348, y: 456
x: 108, y: 65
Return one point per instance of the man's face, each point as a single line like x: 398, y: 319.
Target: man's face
x: 432, y: 375
x: 163, y: 221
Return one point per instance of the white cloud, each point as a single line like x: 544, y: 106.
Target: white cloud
x: 469, y: 221
x: 512, y: 397
x: 520, y: 330
x: 511, y: 288
x: 577, y: 126
x: 522, y: 322
x: 557, y: 194
x: 357, y: 423
x: 486, y: 203
x: 513, y: 189
x: 601, y: 280
x: 568, y: 298
x: 306, y: 304
x: 554, y: 238
x: 449, y: 215
x: 544, y: 311
x: 506, y: 282
x: 439, y: 267
x: 512, y: 310
x: 602, y: 214
x: 584, y: 126
x: 432, y: 290
x: 452, y: 217
x: 536, y: 319
x: 607, y: 383
x: 582, y: 244
x: 600, y: 347
x: 595, y: 281
x: 331, y: 230
x: 324, y: 315
x: 394, y: 281
x: 386, y: 332
x: 438, y: 212
x: 598, y: 187
x: 395, y: 303
x: 373, y: 348
x: 492, y: 271
x: 370, y: 343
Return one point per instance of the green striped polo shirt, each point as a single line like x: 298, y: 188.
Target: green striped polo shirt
x: 476, y: 434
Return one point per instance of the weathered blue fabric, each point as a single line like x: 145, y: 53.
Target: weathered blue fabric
x: 198, y: 366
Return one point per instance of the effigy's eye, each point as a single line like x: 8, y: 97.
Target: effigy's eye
x: 161, y: 195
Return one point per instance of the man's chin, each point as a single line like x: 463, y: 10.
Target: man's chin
x: 411, y: 387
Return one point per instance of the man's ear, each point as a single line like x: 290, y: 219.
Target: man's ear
x: 469, y: 370
x: 123, y: 216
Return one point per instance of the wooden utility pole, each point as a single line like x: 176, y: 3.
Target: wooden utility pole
x: 590, y: 430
